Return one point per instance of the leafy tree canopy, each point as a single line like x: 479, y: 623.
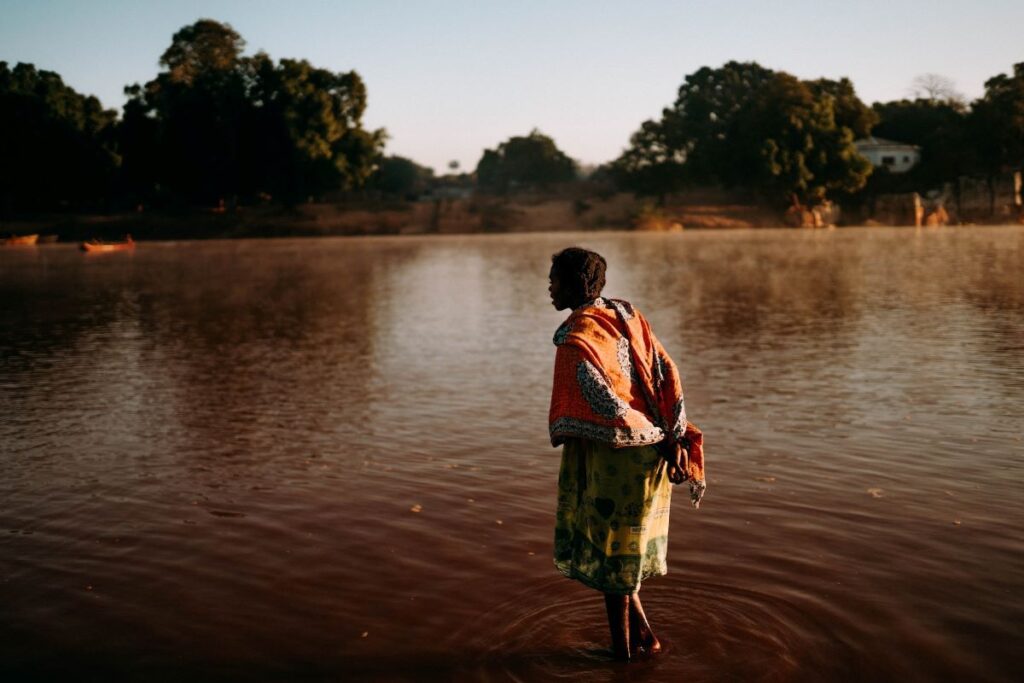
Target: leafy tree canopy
x: 205, y: 48
x: 997, y: 121
x: 54, y: 142
x: 742, y: 125
x: 938, y: 127
x: 530, y: 161
x: 215, y: 123
x: 402, y: 177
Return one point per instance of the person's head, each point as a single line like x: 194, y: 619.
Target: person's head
x: 577, y: 276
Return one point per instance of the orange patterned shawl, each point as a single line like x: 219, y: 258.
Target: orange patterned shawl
x: 615, y: 383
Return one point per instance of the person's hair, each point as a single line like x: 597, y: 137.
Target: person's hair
x: 580, y: 271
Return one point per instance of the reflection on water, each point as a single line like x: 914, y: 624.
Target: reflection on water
x: 328, y: 458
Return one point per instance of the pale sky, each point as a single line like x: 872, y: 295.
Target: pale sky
x: 450, y: 78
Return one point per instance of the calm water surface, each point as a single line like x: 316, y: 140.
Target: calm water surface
x: 328, y: 459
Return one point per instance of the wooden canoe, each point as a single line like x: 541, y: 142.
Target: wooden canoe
x: 93, y: 246
x: 21, y: 240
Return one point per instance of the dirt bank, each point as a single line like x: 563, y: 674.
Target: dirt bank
x: 442, y: 216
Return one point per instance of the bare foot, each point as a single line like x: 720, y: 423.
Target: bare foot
x: 649, y: 644
x: 642, y: 637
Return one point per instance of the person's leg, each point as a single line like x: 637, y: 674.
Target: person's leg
x: 618, y: 621
x: 640, y: 633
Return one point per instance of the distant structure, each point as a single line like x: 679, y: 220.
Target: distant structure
x: 898, y: 157
x: 447, y: 192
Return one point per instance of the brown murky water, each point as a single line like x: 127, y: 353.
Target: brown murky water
x: 210, y: 454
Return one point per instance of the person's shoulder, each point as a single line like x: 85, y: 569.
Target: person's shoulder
x: 587, y: 324
x: 625, y: 309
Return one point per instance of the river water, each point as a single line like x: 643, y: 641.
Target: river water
x: 328, y: 459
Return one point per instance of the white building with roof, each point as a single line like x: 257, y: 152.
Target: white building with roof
x: 898, y: 157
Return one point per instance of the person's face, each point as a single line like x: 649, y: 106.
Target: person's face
x: 556, y: 292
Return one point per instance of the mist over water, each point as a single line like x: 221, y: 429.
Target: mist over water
x: 269, y: 459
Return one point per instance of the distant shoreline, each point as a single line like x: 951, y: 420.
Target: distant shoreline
x: 457, y: 216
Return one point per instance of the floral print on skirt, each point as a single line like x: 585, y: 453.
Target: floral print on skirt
x: 611, y: 526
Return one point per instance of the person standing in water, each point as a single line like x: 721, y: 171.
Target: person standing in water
x: 617, y: 411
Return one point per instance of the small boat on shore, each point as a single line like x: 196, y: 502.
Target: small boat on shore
x: 95, y: 246
x: 21, y: 240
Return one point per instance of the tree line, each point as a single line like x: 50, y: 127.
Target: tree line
x: 786, y: 139
x: 215, y: 125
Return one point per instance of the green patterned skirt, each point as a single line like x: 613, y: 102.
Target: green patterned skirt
x: 611, y: 527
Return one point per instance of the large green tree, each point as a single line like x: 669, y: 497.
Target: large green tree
x: 787, y: 144
x: 198, y: 103
x: 531, y: 161
x: 401, y: 177
x: 939, y: 127
x: 997, y: 122
x: 221, y: 124
x: 55, y: 144
x: 311, y: 119
x: 848, y: 110
x: 651, y: 165
x: 742, y: 125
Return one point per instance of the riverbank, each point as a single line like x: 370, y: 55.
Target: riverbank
x: 469, y: 215
x: 463, y: 215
